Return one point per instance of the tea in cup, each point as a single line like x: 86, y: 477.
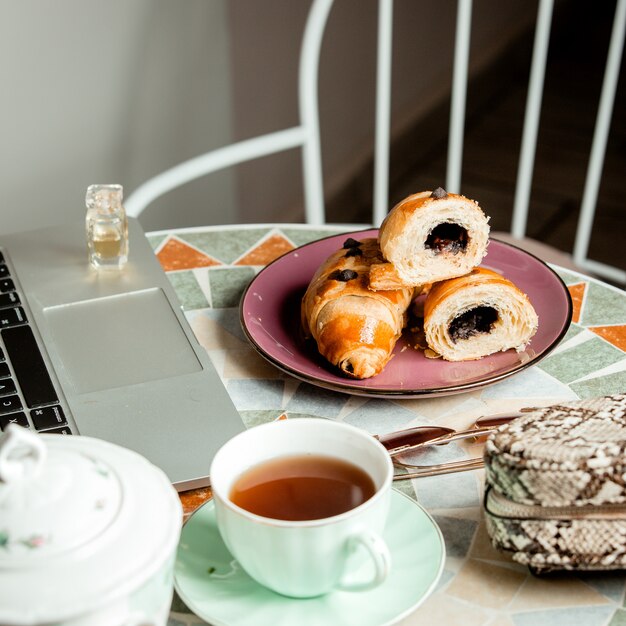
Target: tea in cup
x: 302, y: 503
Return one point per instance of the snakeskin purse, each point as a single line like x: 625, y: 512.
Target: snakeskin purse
x: 555, y: 493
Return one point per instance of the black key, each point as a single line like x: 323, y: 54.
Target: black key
x: 4, y: 271
x: 10, y: 404
x: 4, y: 370
x: 6, y: 284
x: 48, y: 417
x: 29, y: 366
x: 14, y: 418
x: 7, y: 387
x: 12, y: 317
x: 64, y: 430
x: 9, y: 299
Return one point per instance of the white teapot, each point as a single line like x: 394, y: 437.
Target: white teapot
x: 88, y: 533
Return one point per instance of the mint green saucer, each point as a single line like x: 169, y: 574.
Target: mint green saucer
x: 214, y: 587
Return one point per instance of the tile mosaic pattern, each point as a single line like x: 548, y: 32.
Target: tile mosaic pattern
x: 211, y: 267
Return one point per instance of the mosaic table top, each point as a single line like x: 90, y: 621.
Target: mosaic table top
x: 210, y: 268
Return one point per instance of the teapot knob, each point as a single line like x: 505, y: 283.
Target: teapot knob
x: 22, y: 454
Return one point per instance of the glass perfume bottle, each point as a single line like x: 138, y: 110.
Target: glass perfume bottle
x: 107, y: 227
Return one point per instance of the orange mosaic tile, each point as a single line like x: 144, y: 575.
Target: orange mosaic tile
x: 269, y: 250
x: 577, y: 292
x: 194, y: 499
x: 176, y: 255
x: 615, y: 335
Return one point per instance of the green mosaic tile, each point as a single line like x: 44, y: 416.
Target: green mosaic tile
x: 188, y: 290
x: 156, y: 240
x: 619, y: 618
x: 588, y: 357
x: 256, y: 395
x: 450, y: 491
x: 229, y: 319
x: 316, y: 401
x: 569, y: 278
x: 458, y: 534
x: 380, y: 416
x: 604, y: 306
x: 572, y: 331
x: 228, y: 285
x: 256, y: 418
x: 610, y: 584
x: 292, y: 415
x: 572, y: 616
x: 225, y: 245
x: 300, y: 237
x: 405, y: 486
x: 602, y: 386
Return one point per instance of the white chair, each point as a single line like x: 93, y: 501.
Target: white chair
x: 306, y: 134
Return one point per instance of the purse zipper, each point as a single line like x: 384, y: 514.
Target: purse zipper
x: 499, y: 506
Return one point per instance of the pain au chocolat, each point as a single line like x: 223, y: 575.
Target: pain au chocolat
x: 478, y: 314
x: 355, y: 328
x: 429, y: 237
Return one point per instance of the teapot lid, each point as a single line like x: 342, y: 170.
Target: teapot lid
x: 53, y: 499
x: 79, y: 518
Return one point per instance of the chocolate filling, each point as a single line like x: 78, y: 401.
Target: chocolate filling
x: 353, y: 252
x: 478, y: 320
x: 447, y: 237
x: 439, y: 193
x: 343, y: 275
x: 351, y: 243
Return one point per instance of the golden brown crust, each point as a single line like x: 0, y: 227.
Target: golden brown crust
x: 516, y: 320
x: 411, y: 258
x: 385, y: 276
x: 478, y: 276
x: 355, y: 328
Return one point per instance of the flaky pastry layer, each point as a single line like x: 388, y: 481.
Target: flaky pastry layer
x: 414, y: 245
x: 355, y: 328
x: 502, y: 315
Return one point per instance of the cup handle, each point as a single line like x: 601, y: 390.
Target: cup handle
x: 379, y: 554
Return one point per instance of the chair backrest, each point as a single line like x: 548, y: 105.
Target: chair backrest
x: 306, y: 134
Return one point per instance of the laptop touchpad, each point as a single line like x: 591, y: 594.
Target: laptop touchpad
x: 120, y: 340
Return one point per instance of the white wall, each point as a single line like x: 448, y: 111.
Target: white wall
x: 117, y: 91
x: 109, y: 91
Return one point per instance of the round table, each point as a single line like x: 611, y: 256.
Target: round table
x: 211, y: 266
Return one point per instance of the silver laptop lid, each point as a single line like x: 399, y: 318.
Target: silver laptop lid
x: 123, y: 359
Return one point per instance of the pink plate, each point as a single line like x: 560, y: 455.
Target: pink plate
x: 270, y: 317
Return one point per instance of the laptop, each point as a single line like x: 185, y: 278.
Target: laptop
x: 107, y: 354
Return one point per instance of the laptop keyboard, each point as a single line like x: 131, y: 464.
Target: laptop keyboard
x: 27, y: 394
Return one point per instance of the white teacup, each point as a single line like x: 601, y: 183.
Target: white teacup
x: 305, y: 558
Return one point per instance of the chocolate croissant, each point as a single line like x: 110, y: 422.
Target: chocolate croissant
x: 478, y: 314
x: 430, y: 237
x: 355, y: 328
